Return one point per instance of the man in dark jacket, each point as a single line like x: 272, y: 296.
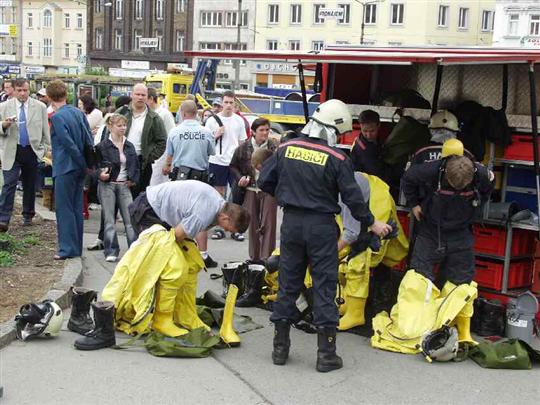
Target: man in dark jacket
x: 366, y: 149
x: 146, y: 131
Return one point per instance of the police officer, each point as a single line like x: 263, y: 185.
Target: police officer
x: 445, y: 196
x: 189, y: 146
x: 306, y: 175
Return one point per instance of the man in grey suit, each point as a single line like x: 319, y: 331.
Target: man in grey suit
x: 24, y: 140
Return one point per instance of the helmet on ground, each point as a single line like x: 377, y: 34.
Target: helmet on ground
x: 444, y: 119
x: 39, y: 320
x: 452, y: 147
x: 334, y: 113
x: 441, y: 344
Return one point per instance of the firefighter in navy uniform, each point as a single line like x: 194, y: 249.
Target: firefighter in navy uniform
x: 306, y: 175
x: 445, y: 197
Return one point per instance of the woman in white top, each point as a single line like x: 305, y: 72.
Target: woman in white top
x: 94, y: 116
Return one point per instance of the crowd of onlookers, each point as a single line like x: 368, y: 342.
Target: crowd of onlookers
x: 136, y: 142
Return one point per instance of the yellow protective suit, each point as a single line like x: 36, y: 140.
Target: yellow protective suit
x: 420, y: 308
x: 154, y: 258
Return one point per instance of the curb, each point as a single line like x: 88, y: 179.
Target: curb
x: 59, y: 292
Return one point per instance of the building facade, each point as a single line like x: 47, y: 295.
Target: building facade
x: 134, y: 35
x: 215, y: 26
x: 54, y: 36
x: 10, y: 38
x: 517, y: 24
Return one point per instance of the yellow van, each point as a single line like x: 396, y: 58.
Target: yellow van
x: 175, y: 86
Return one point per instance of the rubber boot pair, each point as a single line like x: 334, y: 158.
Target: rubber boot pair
x: 103, y: 333
x: 354, y: 313
x: 80, y: 320
x: 163, y: 312
x: 254, y: 283
x: 227, y: 333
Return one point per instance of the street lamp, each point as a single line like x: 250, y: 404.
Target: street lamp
x: 364, y: 5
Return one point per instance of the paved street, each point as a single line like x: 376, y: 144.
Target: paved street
x: 53, y: 372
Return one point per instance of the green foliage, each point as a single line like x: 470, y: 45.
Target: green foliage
x: 6, y: 259
x: 30, y: 240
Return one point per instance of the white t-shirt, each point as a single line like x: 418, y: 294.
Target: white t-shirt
x: 235, y: 132
x: 135, y: 131
x: 167, y: 118
x: 94, y: 118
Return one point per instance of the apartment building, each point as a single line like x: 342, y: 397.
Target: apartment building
x: 517, y: 24
x: 10, y: 38
x: 54, y: 36
x: 216, y: 27
x: 132, y: 37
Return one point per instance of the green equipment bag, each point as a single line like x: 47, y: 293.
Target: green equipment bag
x: 406, y: 137
x: 509, y: 354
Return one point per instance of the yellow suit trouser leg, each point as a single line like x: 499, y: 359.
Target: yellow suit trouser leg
x: 356, y: 291
x: 163, y: 313
x: 185, y: 310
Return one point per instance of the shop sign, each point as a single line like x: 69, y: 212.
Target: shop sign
x: 135, y: 64
x: 148, y: 42
x: 331, y: 13
x: 275, y: 67
x: 34, y: 70
x: 133, y: 73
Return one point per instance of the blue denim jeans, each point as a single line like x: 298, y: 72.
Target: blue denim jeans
x: 111, y: 195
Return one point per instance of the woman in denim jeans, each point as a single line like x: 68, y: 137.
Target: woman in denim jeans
x: 119, y: 171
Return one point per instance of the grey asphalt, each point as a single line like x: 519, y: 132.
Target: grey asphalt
x: 53, y: 372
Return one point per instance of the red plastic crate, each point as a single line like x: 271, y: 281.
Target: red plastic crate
x: 492, y: 240
x: 404, y: 220
x: 489, y: 273
x: 521, y: 148
x: 535, y: 288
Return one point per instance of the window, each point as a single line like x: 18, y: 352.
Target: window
x: 180, y: 6
x: 234, y: 47
x: 317, y: 45
x: 118, y: 39
x: 211, y: 18
x: 79, y: 50
x: 2, y: 15
x: 97, y: 6
x: 272, y: 45
x: 443, y: 16
x: 346, y: 14
x: 47, y: 19
x: 535, y: 25
x: 370, y: 16
x: 296, y: 13
x: 294, y: 45
x: 316, y: 9
x: 13, y: 15
x: 463, y: 19
x: 67, y: 20
x: 119, y: 9
x: 397, y: 14
x: 79, y: 21
x: 204, y: 46
x: 180, y: 38
x: 66, y: 50
x: 159, y: 9
x: 159, y: 35
x: 30, y: 20
x: 139, y: 8
x: 273, y: 13
x: 513, y: 21
x: 29, y: 48
x: 231, y: 19
x: 487, y: 20
x: 47, y: 47
x: 2, y: 45
x: 137, y: 35
x: 98, y: 40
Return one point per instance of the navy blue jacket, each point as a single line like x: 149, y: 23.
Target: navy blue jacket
x: 70, y: 132
x: 366, y: 157
x: 108, y: 154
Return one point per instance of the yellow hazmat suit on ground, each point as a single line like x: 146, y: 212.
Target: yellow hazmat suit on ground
x: 155, y: 283
x: 356, y: 271
x: 421, y: 308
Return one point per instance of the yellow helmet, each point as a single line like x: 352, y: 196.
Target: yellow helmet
x: 444, y: 119
x: 452, y: 147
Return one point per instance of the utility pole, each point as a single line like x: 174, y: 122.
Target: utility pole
x: 362, y: 26
x: 238, y: 47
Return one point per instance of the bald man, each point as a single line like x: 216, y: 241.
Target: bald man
x: 146, y: 131
x: 188, y: 148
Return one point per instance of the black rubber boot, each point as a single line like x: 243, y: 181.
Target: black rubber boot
x: 282, y: 342
x: 80, y: 320
x: 103, y: 334
x: 234, y: 273
x: 327, y: 359
x: 252, y: 296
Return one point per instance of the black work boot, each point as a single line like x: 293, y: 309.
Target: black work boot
x: 254, y: 283
x: 80, y: 320
x: 103, y: 333
x: 327, y: 359
x: 234, y: 273
x: 282, y: 342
